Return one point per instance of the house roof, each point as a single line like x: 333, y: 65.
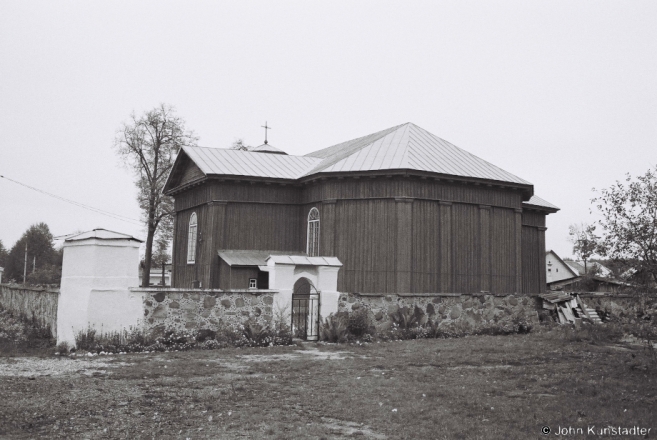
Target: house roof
x: 536, y: 201
x: 407, y: 147
x: 572, y: 270
x: 403, y: 147
x: 591, y: 265
x: 101, y: 234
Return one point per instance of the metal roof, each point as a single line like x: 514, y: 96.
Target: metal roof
x: 403, y: 147
x: 260, y: 258
x: 302, y: 260
x: 407, y: 146
x: 250, y: 257
x: 101, y: 234
x: 537, y: 201
x: 246, y: 163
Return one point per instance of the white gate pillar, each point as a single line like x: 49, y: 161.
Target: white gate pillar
x: 98, y: 269
x: 327, y: 284
x: 281, y: 278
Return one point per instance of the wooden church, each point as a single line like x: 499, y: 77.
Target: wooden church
x: 403, y: 210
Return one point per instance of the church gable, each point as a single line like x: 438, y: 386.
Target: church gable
x: 184, y: 171
x: 191, y: 173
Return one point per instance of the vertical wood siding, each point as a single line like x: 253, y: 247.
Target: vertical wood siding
x: 451, y: 237
x: 465, y: 247
x: 503, y: 255
x: 365, y: 243
x: 413, y: 187
x: 185, y: 273
x: 530, y: 260
x: 426, y: 242
x: 533, y: 218
x: 262, y: 226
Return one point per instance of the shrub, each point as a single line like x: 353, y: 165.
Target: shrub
x: 358, y: 323
x: 86, y: 339
x: 333, y: 329
x: 255, y: 334
x: 62, y: 348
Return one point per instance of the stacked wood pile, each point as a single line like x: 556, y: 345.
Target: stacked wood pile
x: 569, y: 309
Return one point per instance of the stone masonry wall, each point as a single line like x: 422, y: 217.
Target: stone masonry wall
x: 182, y: 309
x: 28, y: 301
x: 480, y: 310
x: 474, y: 310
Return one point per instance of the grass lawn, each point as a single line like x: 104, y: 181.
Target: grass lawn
x: 481, y: 387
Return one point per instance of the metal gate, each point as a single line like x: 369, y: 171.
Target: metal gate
x: 305, y: 311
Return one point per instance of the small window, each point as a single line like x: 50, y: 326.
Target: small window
x: 253, y: 283
x: 191, y: 239
x: 549, y: 270
x: 557, y: 269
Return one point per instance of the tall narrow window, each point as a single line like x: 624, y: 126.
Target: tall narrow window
x: 191, y: 239
x: 312, y: 246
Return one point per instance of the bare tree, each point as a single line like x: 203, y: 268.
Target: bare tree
x: 148, y: 144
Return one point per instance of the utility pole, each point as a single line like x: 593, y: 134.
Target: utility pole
x: 25, y: 265
x: 34, y: 264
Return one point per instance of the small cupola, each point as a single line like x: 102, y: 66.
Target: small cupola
x: 266, y: 148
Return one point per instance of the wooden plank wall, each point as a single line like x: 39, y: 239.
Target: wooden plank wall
x: 533, y: 252
x: 417, y: 235
x: 234, y: 224
x: 365, y: 243
x: 466, y: 248
x: 262, y: 226
x: 185, y: 273
x: 426, y: 242
x: 503, y: 250
x: 530, y: 260
x: 413, y: 187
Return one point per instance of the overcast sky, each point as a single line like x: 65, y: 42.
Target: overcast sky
x: 560, y: 93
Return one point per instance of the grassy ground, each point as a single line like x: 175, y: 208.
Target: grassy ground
x: 484, y: 387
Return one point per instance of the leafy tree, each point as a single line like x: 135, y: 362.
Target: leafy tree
x: 584, y: 242
x: 44, y: 263
x: 629, y: 222
x: 148, y: 144
x: 240, y: 145
x: 3, y: 255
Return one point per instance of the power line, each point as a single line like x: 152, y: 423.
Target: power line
x: 78, y: 204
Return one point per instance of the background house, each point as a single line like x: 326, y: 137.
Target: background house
x: 557, y: 269
x: 570, y: 275
x: 403, y: 210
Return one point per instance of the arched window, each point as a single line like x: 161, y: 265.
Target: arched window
x: 191, y: 239
x: 312, y: 246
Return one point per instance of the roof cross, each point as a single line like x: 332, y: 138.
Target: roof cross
x: 266, y: 128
